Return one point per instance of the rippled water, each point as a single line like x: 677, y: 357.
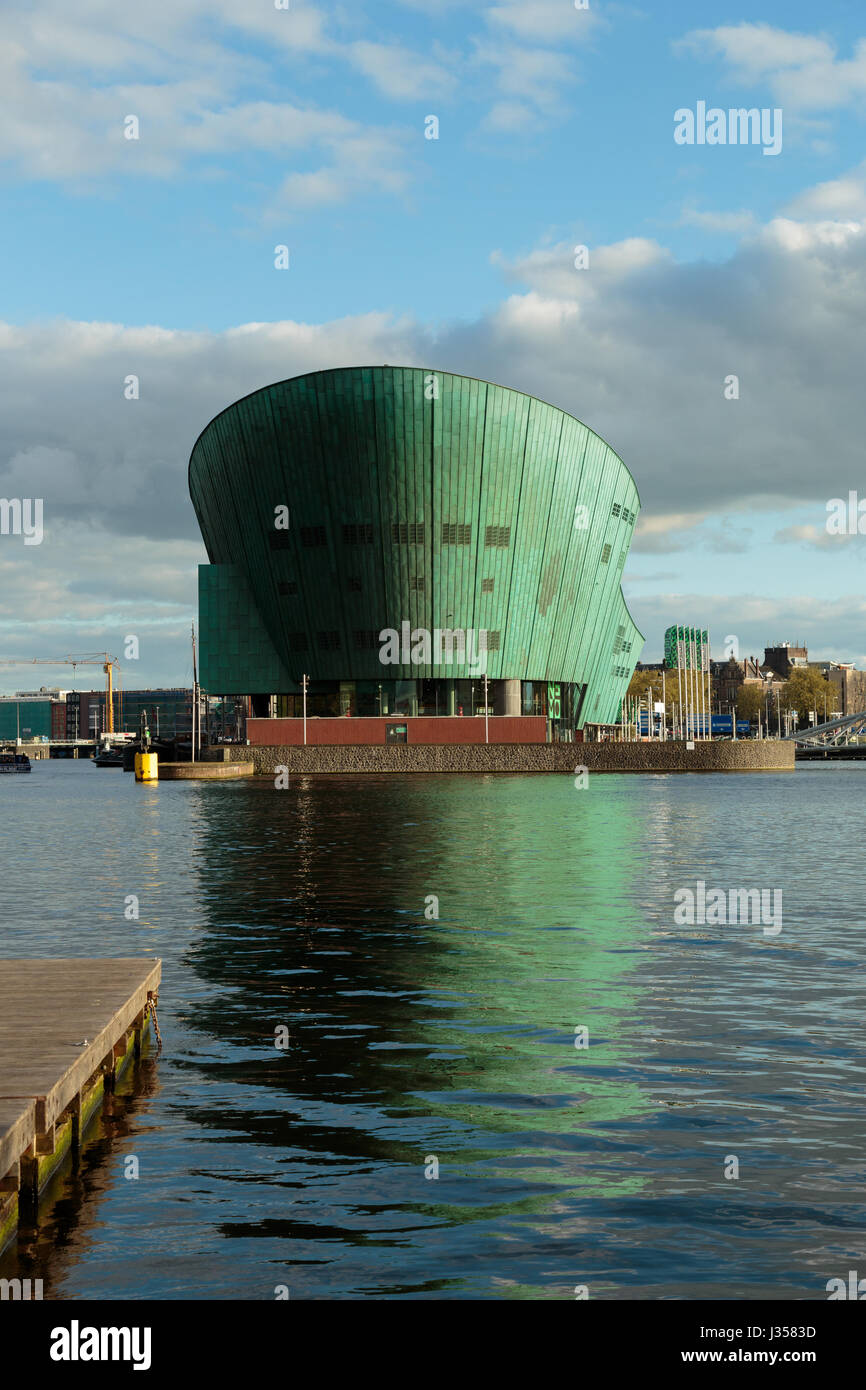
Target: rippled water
x: 454, y: 1039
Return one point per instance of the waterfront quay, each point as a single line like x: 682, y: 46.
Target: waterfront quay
x: 753, y: 755
x: 68, y: 1028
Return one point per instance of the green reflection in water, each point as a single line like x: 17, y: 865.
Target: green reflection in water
x: 452, y: 1037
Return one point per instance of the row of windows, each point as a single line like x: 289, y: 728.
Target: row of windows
x: 407, y: 532
x: 287, y: 588
x: 412, y: 533
x: 497, y: 536
x: 617, y: 510
x: 402, y: 533
x: 368, y: 640
x: 620, y: 672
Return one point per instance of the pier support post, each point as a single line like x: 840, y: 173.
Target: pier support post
x: 28, y: 1186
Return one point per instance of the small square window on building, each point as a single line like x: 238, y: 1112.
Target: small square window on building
x: 487, y: 586
x: 287, y: 587
x: 416, y: 584
x: 456, y: 533
x: 366, y: 640
x: 605, y: 554
x: 328, y: 641
x: 312, y: 535
x: 407, y: 532
x: 497, y: 536
x: 280, y: 540
x: 358, y: 534
x: 298, y: 641
x: 615, y: 509
x: 353, y: 584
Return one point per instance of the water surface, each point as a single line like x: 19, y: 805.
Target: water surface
x: 416, y: 1041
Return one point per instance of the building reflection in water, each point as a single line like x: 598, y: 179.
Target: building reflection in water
x: 409, y: 1035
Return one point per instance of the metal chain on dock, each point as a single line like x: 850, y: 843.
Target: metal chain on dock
x: 150, y: 1008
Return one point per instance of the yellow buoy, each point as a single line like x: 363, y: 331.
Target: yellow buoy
x: 146, y: 767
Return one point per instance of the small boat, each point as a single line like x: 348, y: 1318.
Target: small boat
x: 108, y: 757
x: 10, y: 761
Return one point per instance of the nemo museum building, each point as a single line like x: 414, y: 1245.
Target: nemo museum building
x: 412, y: 556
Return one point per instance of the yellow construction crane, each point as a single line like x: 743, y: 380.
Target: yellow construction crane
x: 108, y: 663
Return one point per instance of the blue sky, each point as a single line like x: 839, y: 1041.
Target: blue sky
x: 305, y: 127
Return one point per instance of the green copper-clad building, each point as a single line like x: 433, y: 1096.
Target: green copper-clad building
x: 407, y: 539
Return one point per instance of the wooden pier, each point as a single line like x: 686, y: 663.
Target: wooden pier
x: 67, y: 1029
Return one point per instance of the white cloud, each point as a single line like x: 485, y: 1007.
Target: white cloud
x: 831, y: 629
x: 664, y: 533
x: 528, y: 75
x: 814, y: 537
x: 551, y: 270
x: 361, y: 161
x: 728, y: 223
x: 755, y: 50
x: 510, y: 118
x: 400, y: 73
x: 527, y: 43
x: 802, y: 71
x: 66, y: 88
x: 810, y: 236
x: 837, y: 199
x: 544, y: 21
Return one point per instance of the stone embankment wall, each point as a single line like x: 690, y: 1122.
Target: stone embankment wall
x: 205, y: 772
x: 743, y: 756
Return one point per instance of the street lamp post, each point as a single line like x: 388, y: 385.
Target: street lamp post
x: 486, y: 728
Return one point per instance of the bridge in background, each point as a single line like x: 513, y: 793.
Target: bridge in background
x: 844, y: 737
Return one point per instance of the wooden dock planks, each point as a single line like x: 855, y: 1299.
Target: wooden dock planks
x: 61, y: 1023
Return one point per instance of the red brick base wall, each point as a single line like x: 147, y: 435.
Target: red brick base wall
x: 528, y: 728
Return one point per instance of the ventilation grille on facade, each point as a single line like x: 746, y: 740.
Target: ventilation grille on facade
x: 366, y: 640
x: 497, y: 535
x: 312, y: 535
x: 357, y: 534
x: 455, y: 533
x: 407, y: 532
x: 494, y: 641
x: 279, y: 540
x: 353, y: 584
x: 328, y: 641
x: 416, y: 585
x: 622, y: 556
x: 287, y: 586
x: 298, y: 641
x: 487, y: 586
x: 628, y: 516
x: 620, y: 671
x: 605, y: 554
x: 615, y: 509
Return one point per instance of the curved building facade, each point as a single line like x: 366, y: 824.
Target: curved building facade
x: 397, y: 534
